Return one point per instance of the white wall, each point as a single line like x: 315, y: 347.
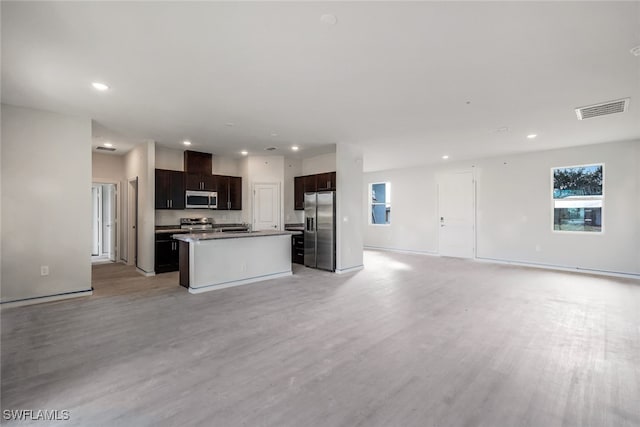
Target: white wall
x: 349, y: 220
x: 167, y: 158
x: 46, y: 203
x: 414, y: 224
x: 225, y: 166
x: 319, y: 164
x: 109, y: 168
x: 514, y: 216
x: 140, y: 162
x: 292, y: 168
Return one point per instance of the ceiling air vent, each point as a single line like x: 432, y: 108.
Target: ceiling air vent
x: 105, y: 148
x: 611, y: 107
x: 270, y: 149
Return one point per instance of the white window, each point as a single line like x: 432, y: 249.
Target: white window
x: 578, y: 198
x: 380, y: 203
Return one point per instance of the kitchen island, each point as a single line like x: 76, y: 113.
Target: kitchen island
x: 210, y: 261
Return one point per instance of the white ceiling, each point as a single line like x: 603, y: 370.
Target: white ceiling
x: 392, y: 77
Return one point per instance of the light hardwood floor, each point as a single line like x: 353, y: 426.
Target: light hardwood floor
x: 409, y: 341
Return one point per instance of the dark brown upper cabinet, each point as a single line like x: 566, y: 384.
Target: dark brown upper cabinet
x: 200, y: 181
x: 229, y: 190
x: 169, y: 189
x: 298, y: 193
x: 326, y: 181
x: 197, y: 162
x: 222, y: 187
x: 235, y: 193
x: 310, y: 183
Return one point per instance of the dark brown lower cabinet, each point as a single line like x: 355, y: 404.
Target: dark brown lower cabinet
x: 166, y: 257
x: 183, y: 248
x: 297, y: 249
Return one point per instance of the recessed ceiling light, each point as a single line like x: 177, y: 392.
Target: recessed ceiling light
x: 445, y: 157
x: 531, y: 136
x: 502, y: 129
x: 108, y: 144
x: 295, y: 147
x: 328, y: 19
x: 244, y: 152
x: 185, y: 142
x: 274, y: 134
x: 635, y: 51
x: 100, y: 86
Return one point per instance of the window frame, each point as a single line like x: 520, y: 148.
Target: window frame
x: 602, y: 198
x: 371, y: 203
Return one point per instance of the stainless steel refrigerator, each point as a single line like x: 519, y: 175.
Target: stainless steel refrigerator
x: 320, y: 230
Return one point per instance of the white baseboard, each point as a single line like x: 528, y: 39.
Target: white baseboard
x: 145, y: 273
x: 561, y: 268
x: 49, y: 298
x: 102, y: 261
x: 402, y: 251
x: 522, y: 264
x: 349, y: 269
x: 208, y: 288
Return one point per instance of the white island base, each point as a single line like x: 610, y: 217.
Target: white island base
x: 221, y: 260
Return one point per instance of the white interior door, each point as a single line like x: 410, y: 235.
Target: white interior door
x: 95, y: 220
x: 456, y: 212
x: 266, y: 206
x: 109, y: 220
x: 132, y: 222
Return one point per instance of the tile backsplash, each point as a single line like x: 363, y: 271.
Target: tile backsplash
x: 172, y: 217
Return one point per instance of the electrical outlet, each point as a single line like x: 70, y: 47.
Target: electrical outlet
x: 44, y: 270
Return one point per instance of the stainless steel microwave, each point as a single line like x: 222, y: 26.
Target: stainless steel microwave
x: 201, y: 200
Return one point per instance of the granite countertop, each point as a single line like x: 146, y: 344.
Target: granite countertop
x: 170, y: 229
x: 194, y: 237
x: 294, y: 227
x: 216, y: 228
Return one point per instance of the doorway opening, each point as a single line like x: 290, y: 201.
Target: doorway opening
x: 104, y: 222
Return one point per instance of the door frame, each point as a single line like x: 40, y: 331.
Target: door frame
x: 132, y: 220
x: 279, y: 202
x: 474, y: 202
x: 96, y: 220
x: 120, y: 216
